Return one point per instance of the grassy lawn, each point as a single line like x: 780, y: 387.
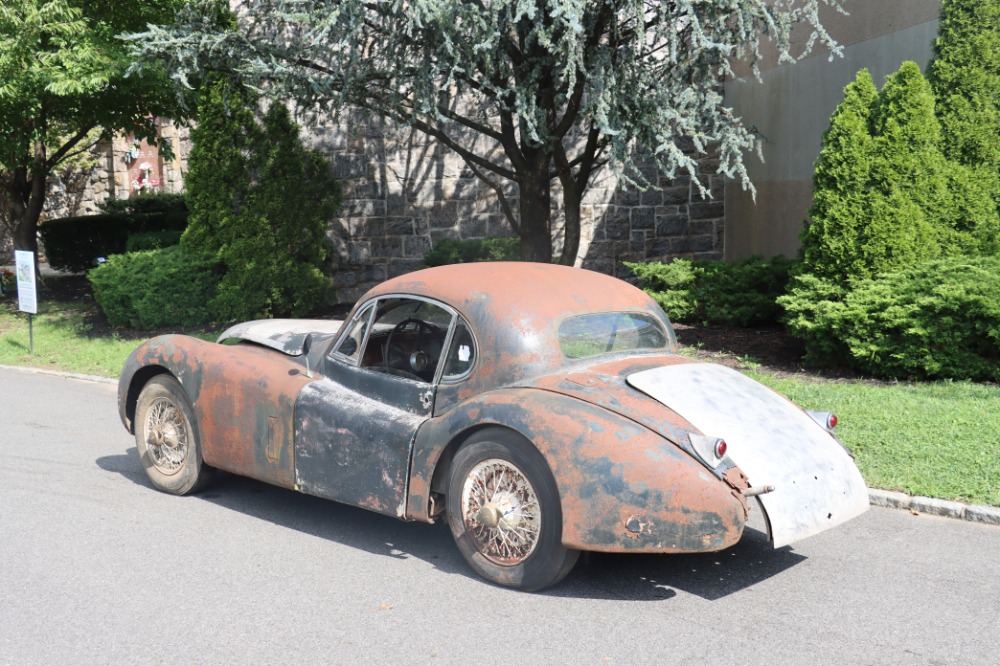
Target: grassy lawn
x: 939, y: 439
x: 61, y: 342
x: 935, y: 439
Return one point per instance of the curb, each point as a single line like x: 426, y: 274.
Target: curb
x: 977, y: 513
x: 59, y: 373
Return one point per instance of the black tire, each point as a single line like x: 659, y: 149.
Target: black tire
x: 515, y: 538
x: 166, y: 436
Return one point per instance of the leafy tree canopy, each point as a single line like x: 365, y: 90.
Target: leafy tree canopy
x: 62, y: 75
x: 535, y: 92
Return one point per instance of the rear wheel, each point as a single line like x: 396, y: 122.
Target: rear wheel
x: 504, y: 512
x: 166, y: 437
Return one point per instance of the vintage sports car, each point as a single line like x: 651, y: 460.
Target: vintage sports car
x: 541, y: 409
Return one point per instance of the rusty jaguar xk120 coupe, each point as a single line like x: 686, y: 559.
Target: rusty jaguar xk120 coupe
x: 541, y: 409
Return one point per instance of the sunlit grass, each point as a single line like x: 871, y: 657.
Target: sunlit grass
x: 939, y: 439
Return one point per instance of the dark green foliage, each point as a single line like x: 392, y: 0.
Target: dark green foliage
x: 886, y: 199
x: 75, y: 243
x: 260, y: 202
x: 937, y: 319
x: 145, y: 290
x: 965, y: 76
x: 885, y: 196
x: 730, y: 293
x: 166, y: 202
x: 451, y: 251
x: 153, y: 240
x: 831, y: 239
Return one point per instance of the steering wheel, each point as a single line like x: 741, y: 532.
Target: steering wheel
x: 418, y: 360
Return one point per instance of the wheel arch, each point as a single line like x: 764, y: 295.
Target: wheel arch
x: 622, y: 486
x: 137, y: 383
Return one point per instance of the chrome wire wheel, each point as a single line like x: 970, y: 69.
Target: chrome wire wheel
x: 501, y: 512
x: 167, y: 435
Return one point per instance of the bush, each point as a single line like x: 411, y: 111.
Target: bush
x: 730, y: 293
x: 451, y: 251
x: 75, y: 243
x: 156, y: 288
x: 936, y: 320
x: 964, y: 75
x: 163, y: 203
x: 261, y: 203
x: 884, y: 194
x: 153, y: 240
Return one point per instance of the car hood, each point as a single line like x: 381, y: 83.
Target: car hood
x: 285, y: 335
x: 816, y: 483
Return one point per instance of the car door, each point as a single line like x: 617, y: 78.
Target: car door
x: 354, y: 426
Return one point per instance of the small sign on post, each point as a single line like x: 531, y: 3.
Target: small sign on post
x: 26, y: 290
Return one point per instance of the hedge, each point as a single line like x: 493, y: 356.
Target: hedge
x: 156, y: 288
x: 936, y: 320
x: 730, y: 293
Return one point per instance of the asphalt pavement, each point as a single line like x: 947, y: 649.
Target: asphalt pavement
x: 96, y: 567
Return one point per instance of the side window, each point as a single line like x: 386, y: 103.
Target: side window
x: 462, y: 354
x: 407, y: 338
x: 351, y: 345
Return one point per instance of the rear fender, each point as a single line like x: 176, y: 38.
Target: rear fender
x: 622, y: 487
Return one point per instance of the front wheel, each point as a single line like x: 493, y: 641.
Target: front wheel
x: 504, y: 512
x: 166, y: 436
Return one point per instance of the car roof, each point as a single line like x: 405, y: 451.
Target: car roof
x: 515, y: 309
x: 504, y: 289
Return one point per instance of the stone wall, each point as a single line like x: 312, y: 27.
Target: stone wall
x: 404, y: 192
x: 76, y: 192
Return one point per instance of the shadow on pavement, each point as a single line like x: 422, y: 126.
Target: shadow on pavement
x: 710, y: 576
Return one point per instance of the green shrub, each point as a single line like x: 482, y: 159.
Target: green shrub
x: 156, y: 288
x: 452, y: 251
x: 965, y: 76
x: 884, y: 195
x: 153, y: 240
x: 260, y: 202
x: 730, y: 293
x: 75, y: 243
x: 938, y: 319
x: 162, y: 203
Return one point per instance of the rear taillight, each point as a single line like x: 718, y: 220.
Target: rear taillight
x: 720, y: 448
x: 710, y: 450
x: 826, y: 419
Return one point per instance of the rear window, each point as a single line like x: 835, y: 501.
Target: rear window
x: 609, y: 332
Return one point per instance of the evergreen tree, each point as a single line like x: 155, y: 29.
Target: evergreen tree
x: 261, y: 203
x: 965, y: 76
x: 841, y: 185
x: 884, y: 193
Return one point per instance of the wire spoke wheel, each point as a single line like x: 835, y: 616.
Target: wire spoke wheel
x: 504, y: 511
x: 500, y: 510
x: 167, y: 435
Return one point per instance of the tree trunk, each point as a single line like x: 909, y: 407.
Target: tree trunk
x: 571, y: 233
x: 535, y: 210
x: 27, y: 195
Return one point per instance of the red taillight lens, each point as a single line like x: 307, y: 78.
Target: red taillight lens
x: 831, y: 421
x: 720, y: 448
